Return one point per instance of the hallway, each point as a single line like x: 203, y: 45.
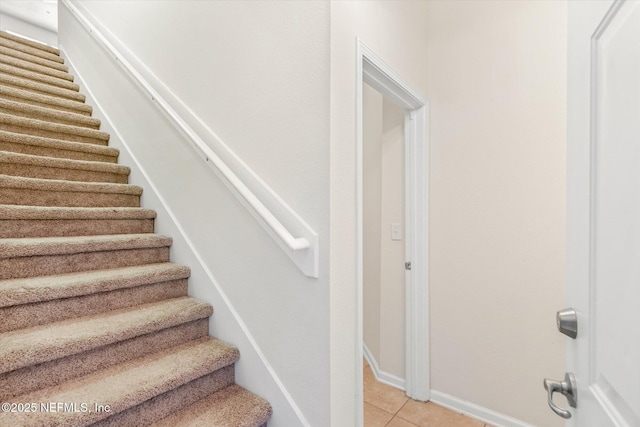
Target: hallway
x: 386, y: 406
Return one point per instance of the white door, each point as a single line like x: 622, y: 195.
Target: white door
x: 603, y: 216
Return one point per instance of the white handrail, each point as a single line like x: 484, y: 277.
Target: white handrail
x: 293, y: 243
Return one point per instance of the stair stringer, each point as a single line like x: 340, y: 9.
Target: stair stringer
x: 253, y: 370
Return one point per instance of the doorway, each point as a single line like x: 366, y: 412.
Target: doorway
x: 383, y: 237
x: 373, y: 71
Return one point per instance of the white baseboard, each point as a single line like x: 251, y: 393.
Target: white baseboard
x: 469, y: 409
x: 475, y: 411
x: 381, y: 376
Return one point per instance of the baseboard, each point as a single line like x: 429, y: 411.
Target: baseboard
x: 381, y: 376
x: 469, y: 409
x: 475, y: 411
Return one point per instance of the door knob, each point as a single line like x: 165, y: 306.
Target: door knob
x: 567, y: 388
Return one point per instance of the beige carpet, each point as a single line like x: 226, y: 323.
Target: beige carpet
x: 96, y: 326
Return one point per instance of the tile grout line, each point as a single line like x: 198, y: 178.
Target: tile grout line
x: 395, y: 415
x: 400, y: 418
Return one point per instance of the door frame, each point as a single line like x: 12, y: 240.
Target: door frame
x: 371, y: 69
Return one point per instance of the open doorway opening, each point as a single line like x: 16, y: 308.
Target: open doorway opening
x: 384, y: 257
x: 373, y: 71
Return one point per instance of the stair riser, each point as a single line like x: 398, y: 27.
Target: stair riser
x: 19, y: 228
x: 57, y: 104
x: 29, y: 197
x: 34, y: 266
x: 30, y: 66
x: 33, y: 290
x: 27, y: 315
x: 52, y: 134
x: 232, y: 406
x: 29, y: 50
x: 161, y: 406
x: 73, y: 121
x: 47, y: 374
x: 39, y: 78
x: 42, y: 89
x: 60, y: 153
x: 34, y: 59
x: 37, y: 171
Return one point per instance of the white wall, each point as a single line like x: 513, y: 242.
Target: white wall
x: 33, y: 19
x: 216, y: 64
x: 496, y: 85
x: 396, y: 31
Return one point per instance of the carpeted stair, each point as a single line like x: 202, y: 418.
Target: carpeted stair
x: 92, y: 311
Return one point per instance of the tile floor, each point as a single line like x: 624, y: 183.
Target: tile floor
x: 386, y: 406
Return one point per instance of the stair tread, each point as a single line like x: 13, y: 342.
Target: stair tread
x: 22, y: 221
x: 27, y: 84
x: 50, y: 100
x: 46, y: 288
x: 232, y: 406
x: 67, y: 186
x: 39, y: 246
x: 36, y: 68
x: 128, y: 384
x: 30, y: 346
x: 20, y: 46
x: 10, y: 119
x: 32, y: 43
x: 52, y: 162
x: 79, y: 120
x: 57, y: 212
x: 31, y: 58
x: 39, y: 77
x: 57, y: 143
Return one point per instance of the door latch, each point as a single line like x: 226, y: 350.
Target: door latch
x: 567, y: 388
x: 407, y: 266
x: 567, y: 321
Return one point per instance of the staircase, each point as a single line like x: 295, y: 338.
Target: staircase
x: 96, y: 327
